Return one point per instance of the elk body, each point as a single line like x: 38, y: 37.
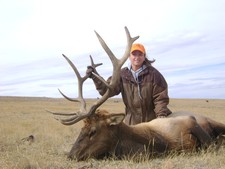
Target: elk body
x: 105, y: 134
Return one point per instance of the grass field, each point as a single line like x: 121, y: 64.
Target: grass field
x: 21, y: 117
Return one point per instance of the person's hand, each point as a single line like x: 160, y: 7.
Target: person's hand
x: 89, y: 71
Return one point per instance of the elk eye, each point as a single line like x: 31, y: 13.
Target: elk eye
x: 92, y: 133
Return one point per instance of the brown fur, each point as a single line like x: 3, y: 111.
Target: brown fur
x: 105, y: 134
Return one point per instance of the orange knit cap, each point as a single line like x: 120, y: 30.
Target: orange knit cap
x: 137, y: 46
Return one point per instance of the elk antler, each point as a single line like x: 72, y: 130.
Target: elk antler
x: 117, y: 64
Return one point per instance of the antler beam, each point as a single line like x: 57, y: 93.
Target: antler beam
x: 117, y: 64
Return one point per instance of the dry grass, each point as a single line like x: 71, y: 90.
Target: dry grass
x: 22, y: 117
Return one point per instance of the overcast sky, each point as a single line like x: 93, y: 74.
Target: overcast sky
x: 185, y: 37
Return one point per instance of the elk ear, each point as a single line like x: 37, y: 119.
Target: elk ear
x: 115, y: 119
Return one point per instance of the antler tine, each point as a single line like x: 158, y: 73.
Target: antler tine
x: 69, y: 121
x: 97, y: 76
x: 130, y: 41
x: 80, y: 86
x: 63, y: 114
x: 106, y: 48
x: 68, y: 98
x: 72, y: 120
x: 93, y: 64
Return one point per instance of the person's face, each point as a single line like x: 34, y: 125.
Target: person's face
x: 137, y: 58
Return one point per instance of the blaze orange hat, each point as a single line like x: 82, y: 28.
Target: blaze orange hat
x: 137, y: 46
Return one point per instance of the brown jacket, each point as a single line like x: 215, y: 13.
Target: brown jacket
x: 149, y: 103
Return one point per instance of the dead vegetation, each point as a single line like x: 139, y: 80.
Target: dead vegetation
x: 22, y: 117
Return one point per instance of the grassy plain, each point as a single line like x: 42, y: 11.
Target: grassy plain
x: 21, y: 117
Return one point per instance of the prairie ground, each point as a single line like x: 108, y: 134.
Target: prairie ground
x: 21, y: 117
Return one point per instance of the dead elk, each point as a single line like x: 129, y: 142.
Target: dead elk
x: 104, y: 133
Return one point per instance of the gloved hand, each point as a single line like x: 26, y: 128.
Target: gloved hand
x: 89, y: 71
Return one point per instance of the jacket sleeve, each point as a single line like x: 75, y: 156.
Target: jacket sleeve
x: 102, y: 88
x: 160, y: 95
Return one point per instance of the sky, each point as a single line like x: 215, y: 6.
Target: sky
x: 185, y: 37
